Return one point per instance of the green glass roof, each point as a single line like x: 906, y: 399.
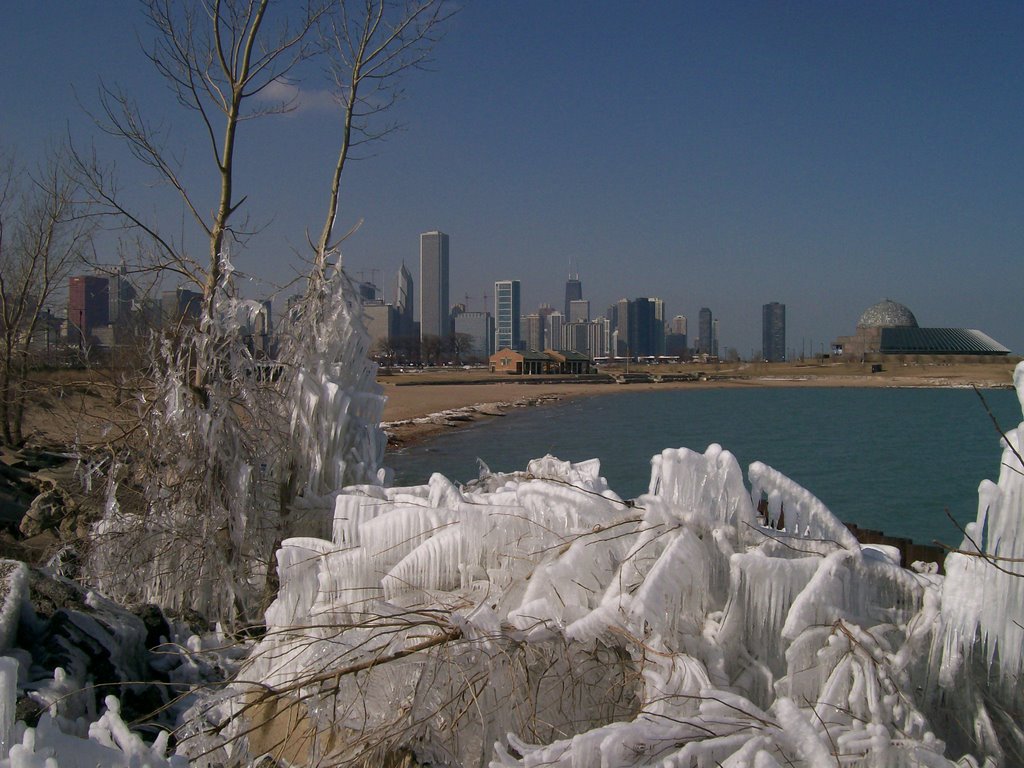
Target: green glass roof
x: 939, y: 341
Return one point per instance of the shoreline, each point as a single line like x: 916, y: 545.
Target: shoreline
x: 422, y: 406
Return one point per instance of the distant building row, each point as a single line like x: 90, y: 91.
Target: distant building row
x: 105, y: 311
x: 630, y: 327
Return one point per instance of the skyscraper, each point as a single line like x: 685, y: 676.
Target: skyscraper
x: 121, y: 295
x: 622, y: 327
x: 658, y: 331
x: 554, y: 325
x: 704, y: 328
x: 577, y: 337
x: 643, y: 330
x: 88, y: 306
x: 599, y: 337
x: 579, y: 311
x: 773, y: 332
x: 506, y: 314
x: 573, y: 288
x: 435, y: 319
x: 639, y: 326
x: 479, y: 328
x: 404, y: 302
x: 532, y: 327
x: 675, y: 339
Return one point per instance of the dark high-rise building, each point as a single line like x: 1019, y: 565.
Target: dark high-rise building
x: 622, y: 328
x: 367, y: 292
x: 435, y: 317
x: 573, y: 289
x: 477, y: 332
x: 88, y: 307
x: 121, y: 294
x: 773, y: 332
x: 658, y: 329
x: 645, y: 332
x: 705, y: 338
x: 640, y: 327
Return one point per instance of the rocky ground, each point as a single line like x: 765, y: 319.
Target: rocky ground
x: 73, y: 646
x: 43, y: 510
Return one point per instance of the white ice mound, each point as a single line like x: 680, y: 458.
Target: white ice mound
x: 537, y: 618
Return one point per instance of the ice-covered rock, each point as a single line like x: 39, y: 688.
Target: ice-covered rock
x: 536, y: 618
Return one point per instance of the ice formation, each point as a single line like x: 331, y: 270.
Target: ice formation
x: 537, y: 618
x: 219, y: 475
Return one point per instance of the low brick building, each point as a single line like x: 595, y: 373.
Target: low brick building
x: 533, y: 363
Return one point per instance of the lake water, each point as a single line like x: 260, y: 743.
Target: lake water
x: 888, y: 459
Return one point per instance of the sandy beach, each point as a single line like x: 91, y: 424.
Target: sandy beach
x: 422, y: 404
x: 84, y: 406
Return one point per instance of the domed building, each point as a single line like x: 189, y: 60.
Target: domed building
x: 890, y: 328
x: 887, y: 314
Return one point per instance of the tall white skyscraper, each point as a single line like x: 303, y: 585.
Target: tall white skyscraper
x: 553, y: 325
x: 506, y: 314
x: 435, y: 311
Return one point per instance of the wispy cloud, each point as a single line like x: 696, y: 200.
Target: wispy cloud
x: 301, y: 100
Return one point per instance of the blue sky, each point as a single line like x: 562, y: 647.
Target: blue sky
x: 825, y: 155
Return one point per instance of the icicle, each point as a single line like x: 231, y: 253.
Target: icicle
x: 8, y: 698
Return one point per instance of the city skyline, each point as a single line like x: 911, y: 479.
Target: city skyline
x: 827, y: 156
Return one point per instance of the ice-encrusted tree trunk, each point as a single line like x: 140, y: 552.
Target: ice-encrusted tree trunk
x: 187, y: 524
x: 222, y: 455
x: 218, y: 58
x: 333, y: 402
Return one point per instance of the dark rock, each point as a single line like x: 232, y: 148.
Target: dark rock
x: 48, y: 595
x: 29, y: 710
x: 158, y: 631
x: 46, y: 511
x: 100, y: 645
x: 195, y: 621
x: 14, y: 503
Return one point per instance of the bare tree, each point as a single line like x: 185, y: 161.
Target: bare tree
x: 217, y: 57
x: 370, y: 44
x: 461, y: 346
x: 218, y: 481
x: 430, y: 348
x: 384, y: 348
x: 44, y: 233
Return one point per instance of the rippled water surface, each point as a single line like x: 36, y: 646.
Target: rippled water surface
x: 891, y: 459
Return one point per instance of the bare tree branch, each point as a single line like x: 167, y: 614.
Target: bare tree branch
x: 369, y: 50
x: 45, y: 230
